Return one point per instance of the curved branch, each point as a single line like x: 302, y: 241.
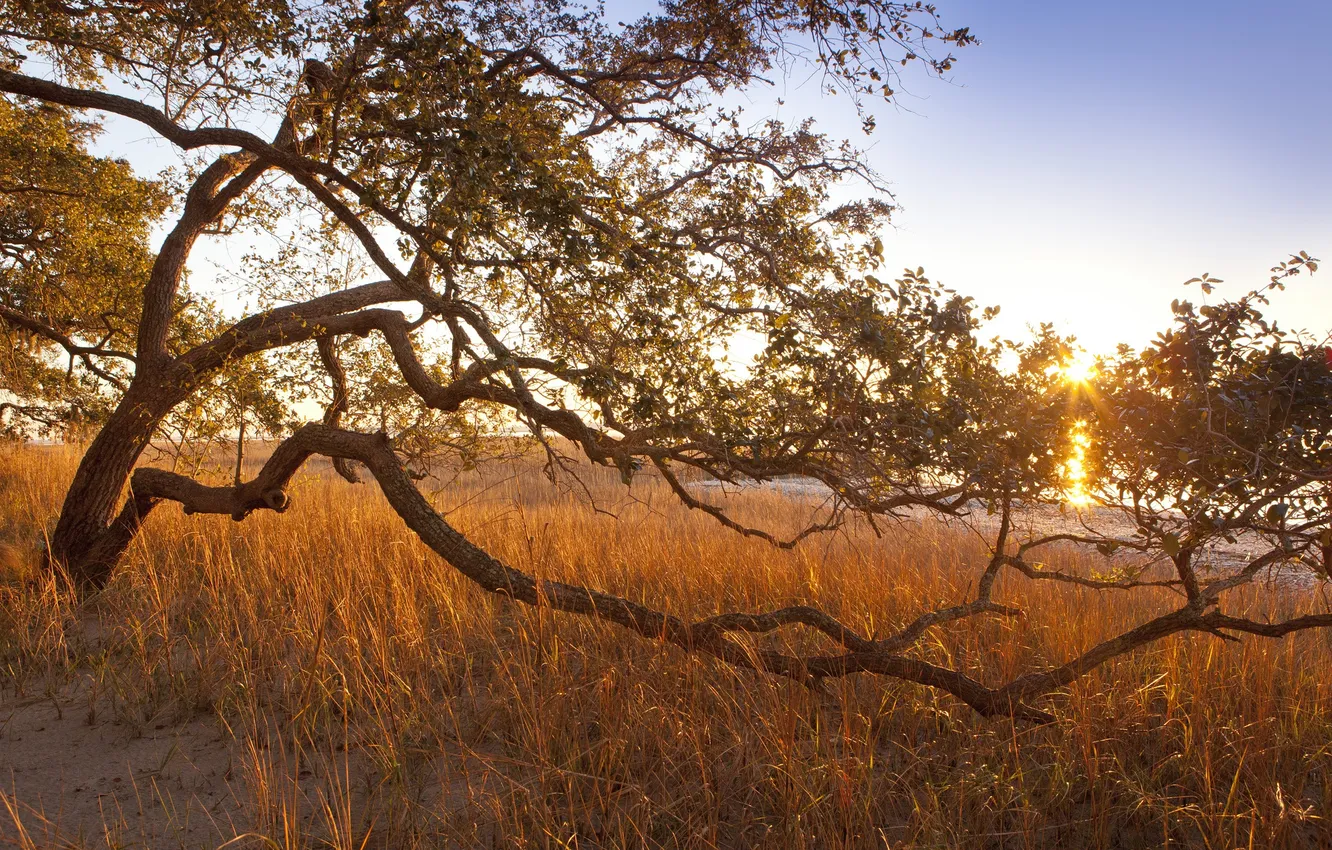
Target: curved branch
x: 222, y: 182
x: 328, y: 355
x: 708, y: 636
x: 267, y: 491
x: 1213, y: 589
x: 760, y: 623
x: 40, y: 328
x: 1085, y: 539
x: 1273, y: 630
x: 1037, y: 573
x: 302, y: 168
x: 925, y: 622
x: 721, y: 516
x: 292, y: 323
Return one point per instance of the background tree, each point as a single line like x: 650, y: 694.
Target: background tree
x: 584, y: 220
x: 73, y: 257
x: 1212, y: 447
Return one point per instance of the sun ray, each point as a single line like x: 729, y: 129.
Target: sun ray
x: 1075, y: 468
x: 1078, y: 368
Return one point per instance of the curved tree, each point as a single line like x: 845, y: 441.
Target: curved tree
x: 577, y: 210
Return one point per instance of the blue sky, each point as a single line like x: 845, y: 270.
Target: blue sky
x: 1089, y: 157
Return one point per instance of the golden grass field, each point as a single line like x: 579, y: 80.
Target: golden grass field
x: 319, y: 679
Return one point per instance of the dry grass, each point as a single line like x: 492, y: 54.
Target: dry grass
x: 366, y: 696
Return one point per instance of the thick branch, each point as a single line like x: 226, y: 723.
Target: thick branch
x: 1273, y: 630
x: 220, y: 183
x: 302, y: 168
x: 289, y: 324
x: 708, y: 636
x: 760, y: 623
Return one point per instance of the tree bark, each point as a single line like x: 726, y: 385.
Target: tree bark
x: 81, y: 543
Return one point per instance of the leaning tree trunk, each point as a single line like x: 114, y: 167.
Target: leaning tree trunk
x: 89, y: 538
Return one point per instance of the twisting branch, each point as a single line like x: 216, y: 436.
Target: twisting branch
x: 85, y: 353
x: 1037, y: 573
x: 328, y: 356
x: 267, y: 491
x: 925, y: 622
x: 40, y: 328
x: 709, y: 636
x: 304, y: 169
x: 221, y: 183
x: 760, y: 623
x: 721, y: 516
x: 283, y: 325
x: 1272, y: 630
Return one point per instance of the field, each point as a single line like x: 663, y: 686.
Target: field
x: 319, y: 678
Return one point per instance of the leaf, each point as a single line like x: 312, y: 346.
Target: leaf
x: 1170, y: 543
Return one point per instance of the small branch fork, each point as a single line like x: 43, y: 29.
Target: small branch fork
x: 711, y: 636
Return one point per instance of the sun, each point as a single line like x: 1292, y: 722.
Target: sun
x: 1079, y: 368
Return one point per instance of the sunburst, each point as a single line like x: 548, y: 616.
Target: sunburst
x: 1078, y: 368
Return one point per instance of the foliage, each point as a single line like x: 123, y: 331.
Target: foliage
x: 73, y: 257
x: 1221, y: 429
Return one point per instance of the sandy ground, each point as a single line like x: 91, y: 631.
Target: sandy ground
x: 70, y: 777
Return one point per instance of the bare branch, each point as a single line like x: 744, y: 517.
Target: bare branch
x: 328, y: 356
x: 1033, y: 572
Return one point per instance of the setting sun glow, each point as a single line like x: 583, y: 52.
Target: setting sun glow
x: 1075, y: 471
x: 1079, y: 368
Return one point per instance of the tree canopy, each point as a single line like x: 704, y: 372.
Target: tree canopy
x: 567, y: 222
x: 73, y: 257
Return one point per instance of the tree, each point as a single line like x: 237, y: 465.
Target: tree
x: 1212, y: 450
x: 73, y: 255
x: 579, y: 213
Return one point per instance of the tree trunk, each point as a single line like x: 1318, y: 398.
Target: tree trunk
x: 79, y: 544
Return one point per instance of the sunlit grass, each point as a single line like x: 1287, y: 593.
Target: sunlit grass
x: 329, y: 643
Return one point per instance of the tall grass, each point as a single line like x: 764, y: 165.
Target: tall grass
x: 373, y: 698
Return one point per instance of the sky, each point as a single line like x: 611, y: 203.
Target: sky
x: 1088, y: 158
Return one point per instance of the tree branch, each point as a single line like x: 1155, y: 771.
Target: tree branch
x: 328, y: 356
x: 266, y: 491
